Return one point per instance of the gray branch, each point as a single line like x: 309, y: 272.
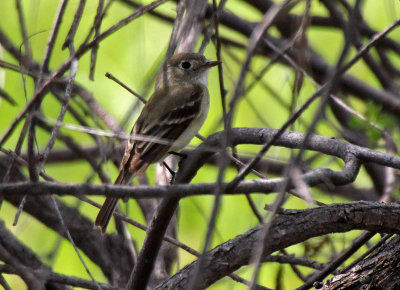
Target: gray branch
x: 287, y: 230
x: 351, y: 154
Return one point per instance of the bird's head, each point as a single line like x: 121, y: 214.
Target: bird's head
x: 184, y: 68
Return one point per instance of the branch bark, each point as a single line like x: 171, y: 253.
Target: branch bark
x: 287, y: 230
x: 378, y: 271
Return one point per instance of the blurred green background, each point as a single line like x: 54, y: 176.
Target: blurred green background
x: 133, y: 54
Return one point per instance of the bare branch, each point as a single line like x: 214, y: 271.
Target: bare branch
x: 289, y: 230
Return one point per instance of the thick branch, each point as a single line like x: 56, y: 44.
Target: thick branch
x: 287, y: 230
x: 378, y: 271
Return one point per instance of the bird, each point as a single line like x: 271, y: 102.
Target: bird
x: 169, y: 120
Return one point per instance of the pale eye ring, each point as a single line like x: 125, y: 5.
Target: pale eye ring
x: 186, y: 65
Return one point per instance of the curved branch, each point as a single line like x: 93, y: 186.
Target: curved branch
x: 287, y: 230
x: 288, y: 139
x: 351, y: 154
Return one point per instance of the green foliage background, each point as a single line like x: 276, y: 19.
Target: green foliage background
x: 133, y: 54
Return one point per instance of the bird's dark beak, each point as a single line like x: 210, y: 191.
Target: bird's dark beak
x: 210, y: 64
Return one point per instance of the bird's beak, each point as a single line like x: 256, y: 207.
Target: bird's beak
x: 210, y: 64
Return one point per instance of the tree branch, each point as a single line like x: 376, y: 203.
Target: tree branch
x: 287, y: 230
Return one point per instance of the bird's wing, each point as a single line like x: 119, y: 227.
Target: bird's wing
x: 164, y: 125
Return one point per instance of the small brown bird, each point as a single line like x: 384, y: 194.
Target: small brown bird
x: 173, y: 114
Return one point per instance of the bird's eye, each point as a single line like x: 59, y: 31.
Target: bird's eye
x: 185, y: 65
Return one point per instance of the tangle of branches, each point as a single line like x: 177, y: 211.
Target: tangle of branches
x: 300, y: 146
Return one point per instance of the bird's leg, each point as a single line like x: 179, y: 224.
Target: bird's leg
x: 183, y: 156
x: 173, y: 173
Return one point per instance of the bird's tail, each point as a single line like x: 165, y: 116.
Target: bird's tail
x: 105, y: 213
x: 107, y: 210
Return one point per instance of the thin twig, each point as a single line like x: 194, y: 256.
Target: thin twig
x: 320, y: 275
x: 111, y: 77
x: 56, y: 128
x: 24, y: 33
x: 97, y: 23
x: 68, y: 234
x: 75, y: 23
